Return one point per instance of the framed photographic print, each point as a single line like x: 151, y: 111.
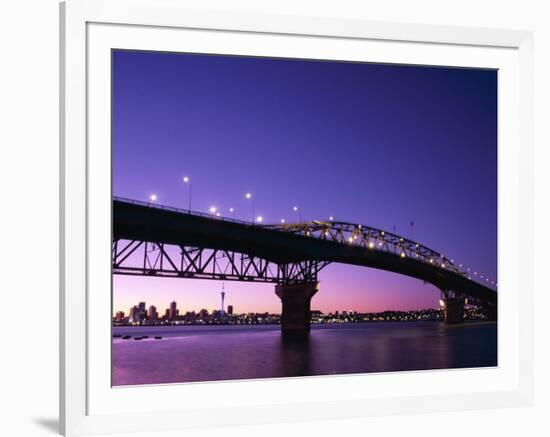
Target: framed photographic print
x: 314, y: 218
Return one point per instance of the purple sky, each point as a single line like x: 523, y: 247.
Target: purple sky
x: 374, y: 144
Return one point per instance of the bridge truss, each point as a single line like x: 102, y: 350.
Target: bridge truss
x: 144, y: 258
x: 153, y: 258
x: 372, y: 239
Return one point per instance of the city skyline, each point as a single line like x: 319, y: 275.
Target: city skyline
x: 142, y: 315
x: 236, y: 125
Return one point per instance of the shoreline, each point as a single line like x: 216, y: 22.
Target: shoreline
x: 466, y: 323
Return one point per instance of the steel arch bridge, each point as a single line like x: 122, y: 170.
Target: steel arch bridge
x: 152, y: 240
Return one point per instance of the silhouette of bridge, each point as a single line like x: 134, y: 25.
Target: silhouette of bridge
x: 153, y: 240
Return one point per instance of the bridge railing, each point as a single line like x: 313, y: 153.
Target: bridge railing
x: 181, y: 210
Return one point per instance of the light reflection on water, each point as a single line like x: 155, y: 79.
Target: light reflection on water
x: 210, y: 353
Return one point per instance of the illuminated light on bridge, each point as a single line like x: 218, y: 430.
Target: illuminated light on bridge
x: 187, y: 180
x: 259, y: 219
x: 282, y: 221
x: 299, y: 211
x: 249, y: 197
x: 218, y: 214
x: 153, y: 197
x: 213, y: 209
x: 153, y: 240
x: 331, y: 218
x: 231, y: 210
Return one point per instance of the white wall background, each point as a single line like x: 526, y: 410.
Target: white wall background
x: 29, y: 202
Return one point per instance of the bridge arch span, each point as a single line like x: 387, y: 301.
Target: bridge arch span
x: 286, y: 254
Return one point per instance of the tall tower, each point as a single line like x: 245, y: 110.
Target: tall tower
x: 223, y: 296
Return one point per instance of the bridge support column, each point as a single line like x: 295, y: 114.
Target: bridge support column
x: 490, y: 312
x: 296, y: 299
x: 454, y: 311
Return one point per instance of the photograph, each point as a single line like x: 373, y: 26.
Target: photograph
x: 289, y: 217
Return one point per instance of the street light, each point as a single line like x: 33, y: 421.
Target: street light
x: 153, y: 197
x: 232, y: 211
x: 213, y: 209
x: 186, y: 180
x: 296, y: 209
x: 250, y: 197
x: 259, y: 219
x: 283, y: 221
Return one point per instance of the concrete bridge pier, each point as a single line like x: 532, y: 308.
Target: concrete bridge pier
x: 296, y: 300
x: 490, y: 312
x: 454, y: 310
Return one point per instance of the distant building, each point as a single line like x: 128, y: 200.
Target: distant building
x: 142, y: 311
x: 133, y: 316
x: 153, y: 314
x: 173, y: 311
x: 230, y: 310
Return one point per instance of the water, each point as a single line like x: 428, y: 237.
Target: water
x: 213, y: 353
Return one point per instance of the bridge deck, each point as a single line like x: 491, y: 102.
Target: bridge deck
x: 144, y: 223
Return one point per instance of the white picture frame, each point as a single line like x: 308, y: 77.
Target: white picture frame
x: 90, y: 28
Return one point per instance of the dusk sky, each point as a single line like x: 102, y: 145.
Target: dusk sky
x: 380, y: 145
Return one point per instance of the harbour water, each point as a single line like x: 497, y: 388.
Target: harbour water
x: 214, y: 353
